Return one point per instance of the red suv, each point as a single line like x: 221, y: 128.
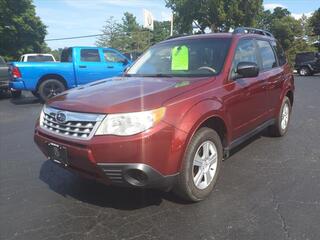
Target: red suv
x: 175, y: 114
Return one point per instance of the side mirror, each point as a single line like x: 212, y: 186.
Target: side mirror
x: 247, y: 70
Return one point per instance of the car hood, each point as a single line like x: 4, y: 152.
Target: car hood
x: 124, y: 94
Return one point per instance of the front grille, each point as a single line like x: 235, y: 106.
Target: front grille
x: 74, y: 125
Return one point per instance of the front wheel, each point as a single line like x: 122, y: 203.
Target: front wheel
x: 200, y: 167
x: 50, y: 88
x: 304, y: 71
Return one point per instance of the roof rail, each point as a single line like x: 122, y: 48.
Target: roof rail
x: 178, y: 35
x: 253, y: 31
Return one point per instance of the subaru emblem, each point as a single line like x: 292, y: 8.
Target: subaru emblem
x: 61, y: 117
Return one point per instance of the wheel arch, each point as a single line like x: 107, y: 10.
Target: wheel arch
x: 52, y: 76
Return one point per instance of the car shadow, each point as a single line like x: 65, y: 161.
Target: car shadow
x: 69, y: 184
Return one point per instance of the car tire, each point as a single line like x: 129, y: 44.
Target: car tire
x: 16, y: 93
x: 200, y: 170
x: 304, y: 71
x: 50, y: 88
x: 281, y: 125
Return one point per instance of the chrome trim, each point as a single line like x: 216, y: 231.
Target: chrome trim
x: 77, y: 125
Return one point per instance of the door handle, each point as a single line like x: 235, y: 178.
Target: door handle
x: 110, y: 66
x: 82, y: 66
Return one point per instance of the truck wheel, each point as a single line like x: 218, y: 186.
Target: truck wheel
x: 280, y: 128
x: 50, y: 88
x: 304, y: 71
x: 200, y: 167
x: 16, y: 93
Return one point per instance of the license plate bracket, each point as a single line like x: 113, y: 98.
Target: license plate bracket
x: 58, y: 153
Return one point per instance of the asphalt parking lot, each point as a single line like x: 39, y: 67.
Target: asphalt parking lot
x: 268, y: 189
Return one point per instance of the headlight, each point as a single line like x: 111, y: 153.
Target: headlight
x: 41, y: 118
x: 125, y: 124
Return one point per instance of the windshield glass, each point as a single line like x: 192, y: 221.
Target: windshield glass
x: 187, y: 58
x: 40, y: 58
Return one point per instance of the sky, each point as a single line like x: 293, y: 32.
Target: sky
x: 69, y: 18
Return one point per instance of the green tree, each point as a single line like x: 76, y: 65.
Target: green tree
x: 129, y: 36
x: 21, y: 31
x: 218, y: 15
x: 314, y: 22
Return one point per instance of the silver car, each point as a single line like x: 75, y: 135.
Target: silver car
x: 4, y: 75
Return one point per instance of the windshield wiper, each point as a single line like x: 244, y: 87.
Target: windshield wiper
x: 157, y: 75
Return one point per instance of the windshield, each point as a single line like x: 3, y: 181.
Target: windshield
x: 187, y: 58
x: 40, y: 58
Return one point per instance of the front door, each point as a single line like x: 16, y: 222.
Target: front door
x: 247, y: 101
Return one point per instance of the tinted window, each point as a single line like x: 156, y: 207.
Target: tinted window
x: 66, y: 55
x: 267, y: 55
x: 245, y: 52
x: 280, y: 53
x: 111, y: 56
x: 305, y: 57
x: 186, y: 58
x: 40, y: 58
x: 90, y: 55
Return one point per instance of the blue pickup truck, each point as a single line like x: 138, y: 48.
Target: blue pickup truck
x: 78, y: 66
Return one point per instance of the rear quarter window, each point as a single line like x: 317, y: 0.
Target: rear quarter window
x: 90, y: 55
x: 280, y: 53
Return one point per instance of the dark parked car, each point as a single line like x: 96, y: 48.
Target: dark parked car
x: 4, y: 78
x: 307, y: 63
x: 174, y: 115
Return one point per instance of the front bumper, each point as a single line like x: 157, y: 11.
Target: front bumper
x: 151, y: 160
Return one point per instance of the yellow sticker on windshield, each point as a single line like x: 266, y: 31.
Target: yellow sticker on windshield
x: 180, y: 58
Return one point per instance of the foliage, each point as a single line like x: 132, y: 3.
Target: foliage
x: 21, y: 31
x: 218, y: 15
x: 314, y: 22
x: 129, y: 36
x: 296, y: 47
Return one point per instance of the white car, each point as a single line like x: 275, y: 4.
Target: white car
x: 37, y: 57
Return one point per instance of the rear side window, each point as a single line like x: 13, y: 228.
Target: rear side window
x: 268, y: 59
x: 66, y: 55
x: 280, y: 53
x: 305, y: 57
x: 90, y: 55
x: 245, y: 52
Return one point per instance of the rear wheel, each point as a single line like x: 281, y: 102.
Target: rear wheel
x: 50, y: 88
x: 280, y: 127
x: 16, y: 93
x: 200, y: 167
x: 304, y: 71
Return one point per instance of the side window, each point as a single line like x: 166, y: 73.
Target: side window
x: 245, y: 52
x: 267, y: 55
x: 66, y: 55
x: 89, y: 55
x: 280, y: 53
x: 111, y: 56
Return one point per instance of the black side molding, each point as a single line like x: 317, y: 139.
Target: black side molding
x: 247, y: 136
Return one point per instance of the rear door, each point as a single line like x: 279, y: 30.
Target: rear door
x: 89, y: 65
x: 272, y: 72
x: 247, y: 107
